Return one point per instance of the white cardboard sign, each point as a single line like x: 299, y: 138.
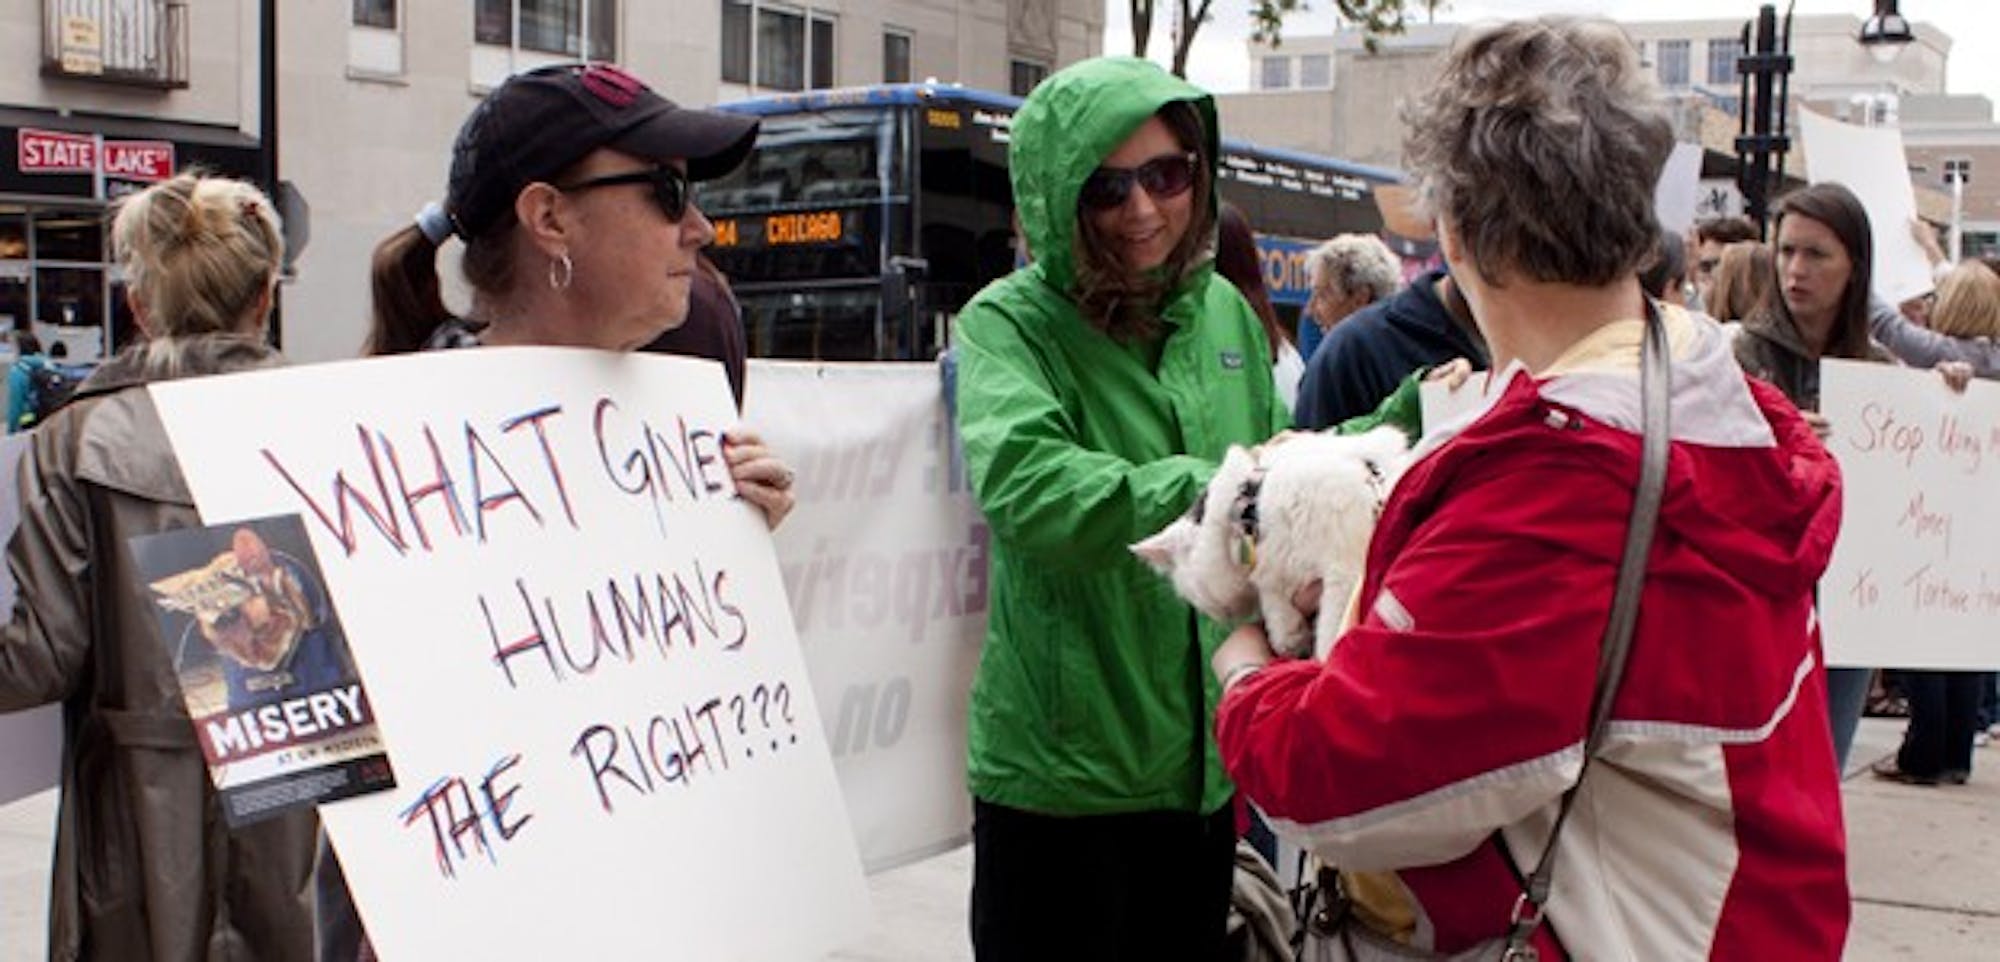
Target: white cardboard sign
x: 1678, y: 192
x: 1870, y: 162
x: 885, y: 562
x: 1915, y: 578
x: 577, y: 644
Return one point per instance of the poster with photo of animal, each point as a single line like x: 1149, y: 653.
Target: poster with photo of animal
x: 278, y: 708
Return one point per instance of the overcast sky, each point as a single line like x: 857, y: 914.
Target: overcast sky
x: 1221, y: 63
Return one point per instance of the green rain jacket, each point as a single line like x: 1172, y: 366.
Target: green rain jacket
x: 1093, y: 693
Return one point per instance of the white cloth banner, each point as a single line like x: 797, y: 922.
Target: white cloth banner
x: 1870, y: 161
x: 885, y: 562
x: 1915, y: 578
x: 30, y: 741
x: 576, y: 643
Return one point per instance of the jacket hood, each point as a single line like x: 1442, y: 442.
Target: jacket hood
x: 1752, y: 489
x: 1067, y: 126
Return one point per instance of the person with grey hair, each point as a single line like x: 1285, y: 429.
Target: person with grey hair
x: 1364, y: 359
x: 1543, y: 730
x: 1349, y: 272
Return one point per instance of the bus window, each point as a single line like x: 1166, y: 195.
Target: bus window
x: 825, y: 325
x: 808, y: 159
x: 966, y: 210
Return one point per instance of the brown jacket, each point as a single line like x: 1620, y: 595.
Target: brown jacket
x: 1770, y: 348
x: 145, y: 868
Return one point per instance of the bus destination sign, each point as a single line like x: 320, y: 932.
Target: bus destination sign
x: 792, y: 229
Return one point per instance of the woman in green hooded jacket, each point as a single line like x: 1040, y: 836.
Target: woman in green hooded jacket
x: 1098, y: 388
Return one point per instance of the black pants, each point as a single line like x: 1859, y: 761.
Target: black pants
x: 1150, y: 886
x: 1944, y: 714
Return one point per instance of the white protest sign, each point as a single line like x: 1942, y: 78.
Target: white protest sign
x: 30, y: 741
x: 576, y: 643
x: 885, y: 563
x: 1915, y: 578
x: 1870, y: 162
x: 1678, y: 191
x: 1449, y: 409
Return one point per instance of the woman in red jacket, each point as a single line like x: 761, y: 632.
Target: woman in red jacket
x: 1433, y: 747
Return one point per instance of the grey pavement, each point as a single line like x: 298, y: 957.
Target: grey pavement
x: 1924, y: 862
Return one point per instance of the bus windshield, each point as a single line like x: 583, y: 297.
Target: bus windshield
x: 810, y: 160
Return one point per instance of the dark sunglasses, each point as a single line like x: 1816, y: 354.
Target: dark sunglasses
x: 1168, y: 176
x: 670, y: 188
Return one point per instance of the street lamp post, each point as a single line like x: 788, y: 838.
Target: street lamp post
x: 1957, y: 172
x: 1761, y: 141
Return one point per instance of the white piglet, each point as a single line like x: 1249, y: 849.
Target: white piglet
x: 1269, y: 525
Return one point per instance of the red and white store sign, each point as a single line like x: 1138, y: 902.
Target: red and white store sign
x: 60, y: 152
x: 55, y: 152
x: 146, y: 160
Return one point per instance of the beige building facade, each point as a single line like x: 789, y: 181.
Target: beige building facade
x: 1339, y: 94
x: 370, y: 94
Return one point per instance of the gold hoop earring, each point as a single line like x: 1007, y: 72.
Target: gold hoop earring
x: 559, y: 280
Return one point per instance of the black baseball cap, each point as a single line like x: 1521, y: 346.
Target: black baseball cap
x: 540, y: 122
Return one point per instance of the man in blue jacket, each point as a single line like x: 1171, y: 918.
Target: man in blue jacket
x: 1365, y: 357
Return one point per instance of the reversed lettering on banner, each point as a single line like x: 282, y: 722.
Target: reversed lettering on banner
x: 885, y: 561
x: 1915, y: 578
x: 575, y: 643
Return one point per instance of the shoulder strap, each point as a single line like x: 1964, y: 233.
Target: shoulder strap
x: 1655, y: 384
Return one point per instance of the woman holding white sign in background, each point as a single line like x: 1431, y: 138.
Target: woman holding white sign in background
x: 1944, y: 705
x: 145, y: 867
x: 571, y: 187
x: 1824, y: 255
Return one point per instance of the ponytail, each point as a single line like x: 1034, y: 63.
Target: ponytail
x: 409, y: 306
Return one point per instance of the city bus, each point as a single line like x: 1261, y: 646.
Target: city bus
x: 867, y: 216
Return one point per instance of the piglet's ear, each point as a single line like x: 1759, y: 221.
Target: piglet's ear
x: 1160, y: 549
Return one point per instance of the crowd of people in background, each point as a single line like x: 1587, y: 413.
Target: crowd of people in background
x: 1462, y: 720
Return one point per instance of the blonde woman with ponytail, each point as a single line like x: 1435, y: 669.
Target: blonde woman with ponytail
x: 145, y: 867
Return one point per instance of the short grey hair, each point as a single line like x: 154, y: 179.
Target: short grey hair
x: 1356, y: 263
x: 1540, y: 145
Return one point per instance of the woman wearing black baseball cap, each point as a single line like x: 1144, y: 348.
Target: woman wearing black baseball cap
x: 570, y: 187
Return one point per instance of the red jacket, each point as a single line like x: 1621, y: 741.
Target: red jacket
x: 1446, y: 724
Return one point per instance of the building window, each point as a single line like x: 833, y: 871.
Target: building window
x: 1722, y: 56
x: 584, y: 29
x: 785, y: 51
x: 1673, y: 64
x: 53, y: 278
x: 1315, y: 71
x: 895, y: 57
x: 735, y: 42
x: 1026, y: 74
x: 374, y: 45
x: 820, y: 56
x: 375, y: 13
x: 138, y: 42
x: 1277, y: 73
